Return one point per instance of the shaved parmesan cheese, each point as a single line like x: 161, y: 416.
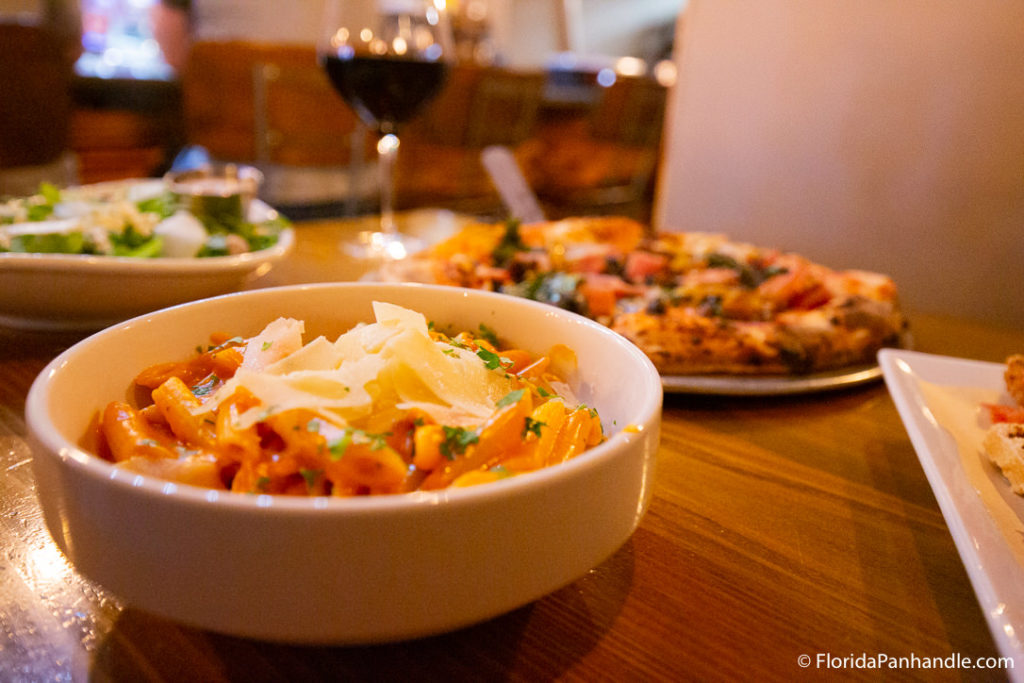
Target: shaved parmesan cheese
x: 390, y: 314
x: 277, y: 340
x: 391, y: 363
x: 317, y: 354
x: 339, y: 396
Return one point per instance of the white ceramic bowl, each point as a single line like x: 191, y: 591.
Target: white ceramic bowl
x: 335, y: 570
x: 75, y: 291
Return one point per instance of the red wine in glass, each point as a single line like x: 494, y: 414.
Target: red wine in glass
x: 385, y: 91
x: 387, y: 59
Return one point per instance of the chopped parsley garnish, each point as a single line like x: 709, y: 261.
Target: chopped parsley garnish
x: 206, y: 386
x: 532, y: 426
x: 267, y: 412
x: 510, y: 398
x: 338, y: 446
x: 222, y: 345
x: 488, y: 335
x: 456, y: 440
x: 266, y: 346
x: 377, y: 441
x: 492, y: 360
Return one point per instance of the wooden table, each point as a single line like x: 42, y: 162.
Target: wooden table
x: 779, y: 527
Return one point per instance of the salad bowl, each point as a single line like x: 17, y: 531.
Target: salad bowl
x: 50, y: 289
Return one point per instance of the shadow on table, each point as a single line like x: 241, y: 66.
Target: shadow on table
x: 539, y: 641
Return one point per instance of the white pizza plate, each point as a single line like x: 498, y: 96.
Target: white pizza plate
x: 938, y: 399
x: 81, y: 292
x: 738, y: 385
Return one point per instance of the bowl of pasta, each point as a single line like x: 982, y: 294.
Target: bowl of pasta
x: 344, y: 463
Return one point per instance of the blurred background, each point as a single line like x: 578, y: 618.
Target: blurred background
x: 576, y: 88
x: 862, y: 133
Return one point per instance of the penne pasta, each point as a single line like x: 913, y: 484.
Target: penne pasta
x: 387, y: 408
x: 176, y: 403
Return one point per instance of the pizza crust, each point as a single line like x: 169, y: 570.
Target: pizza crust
x: 695, y: 303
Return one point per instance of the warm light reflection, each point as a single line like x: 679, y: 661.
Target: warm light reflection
x: 366, y: 35
x: 399, y: 46
x: 340, y: 37
x: 440, y: 5
x: 388, y: 144
x: 378, y: 47
x: 422, y: 38
x: 665, y: 73
x: 45, y: 568
x: 630, y: 66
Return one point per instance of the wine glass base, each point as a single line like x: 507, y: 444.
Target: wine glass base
x: 382, y: 246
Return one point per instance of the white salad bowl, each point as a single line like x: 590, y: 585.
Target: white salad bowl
x: 85, y: 292
x: 328, y: 569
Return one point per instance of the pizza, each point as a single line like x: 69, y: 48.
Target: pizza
x: 695, y: 303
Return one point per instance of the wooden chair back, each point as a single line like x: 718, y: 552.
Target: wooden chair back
x: 630, y: 112
x: 439, y: 160
x: 35, y: 96
x: 300, y: 120
x: 264, y: 103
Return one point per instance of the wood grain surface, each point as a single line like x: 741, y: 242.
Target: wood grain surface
x: 779, y: 526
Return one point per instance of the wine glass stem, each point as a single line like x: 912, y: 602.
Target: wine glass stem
x: 387, y: 149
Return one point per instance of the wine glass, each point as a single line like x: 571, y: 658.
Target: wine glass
x: 386, y: 58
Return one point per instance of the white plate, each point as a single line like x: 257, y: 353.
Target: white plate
x: 938, y: 399
x: 738, y: 385
x: 74, y: 291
